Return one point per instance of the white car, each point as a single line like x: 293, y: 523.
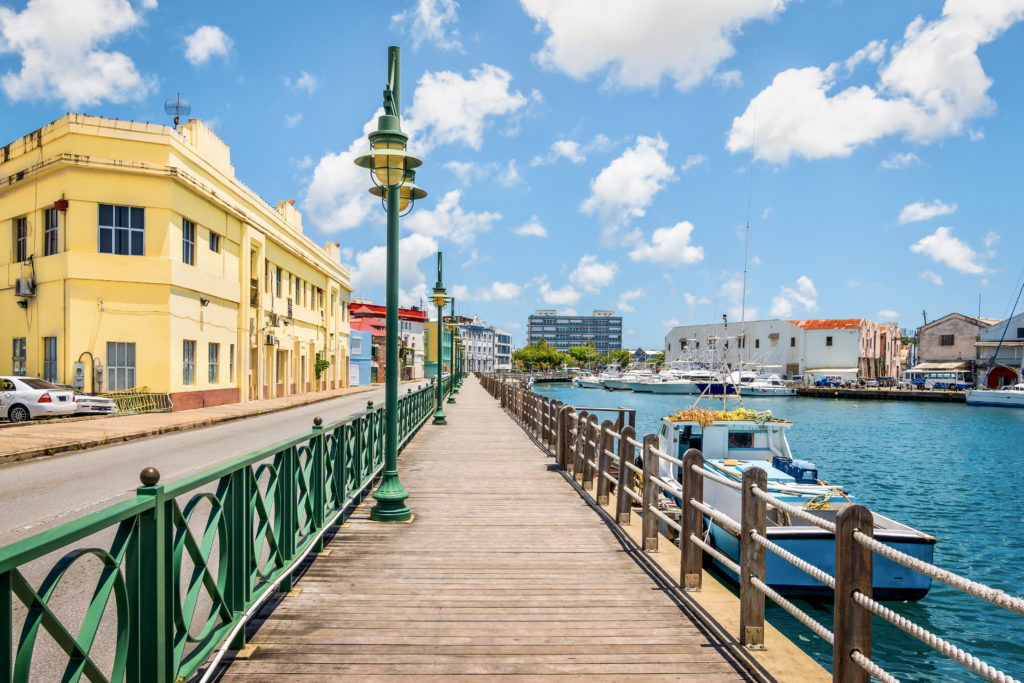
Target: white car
x: 91, y: 405
x: 26, y: 398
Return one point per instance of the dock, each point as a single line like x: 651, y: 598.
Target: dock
x: 504, y: 570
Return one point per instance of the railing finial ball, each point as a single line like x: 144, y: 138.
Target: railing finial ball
x: 149, y: 476
x: 369, y: 405
x: 317, y: 421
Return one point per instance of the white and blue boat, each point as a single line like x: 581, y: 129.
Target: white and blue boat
x: 736, y: 440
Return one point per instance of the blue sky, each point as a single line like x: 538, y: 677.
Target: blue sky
x: 585, y: 154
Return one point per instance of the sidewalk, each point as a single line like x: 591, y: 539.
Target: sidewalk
x: 48, y: 437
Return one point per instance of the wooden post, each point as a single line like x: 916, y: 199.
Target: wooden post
x: 623, y: 502
x: 590, y: 453
x: 562, y: 439
x: 853, y: 573
x: 692, y: 521
x: 650, y: 521
x: 604, y: 443
x: 754, y: 513
x: 577, y: 451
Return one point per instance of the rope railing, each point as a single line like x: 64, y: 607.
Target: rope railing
x: 589, y: 452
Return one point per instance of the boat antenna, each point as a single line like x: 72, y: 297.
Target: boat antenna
x: 746, y: 239
x: 995, y: 355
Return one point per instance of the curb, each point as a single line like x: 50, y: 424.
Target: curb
x: 45, y: 451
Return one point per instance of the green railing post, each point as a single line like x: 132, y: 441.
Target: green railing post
x: 340, y: 465
x: 238, y: 591
x: 284, y: 510
x: 6, y: 626
x: 318, y: 483
x: 150, y: 581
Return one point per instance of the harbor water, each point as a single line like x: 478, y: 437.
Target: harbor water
x: 947, y: 469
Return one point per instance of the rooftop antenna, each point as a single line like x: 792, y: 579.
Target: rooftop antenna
x: 177, y: 107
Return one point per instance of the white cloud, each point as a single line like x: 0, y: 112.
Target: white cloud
x: 292, y: 120
x: 728, y: 79
x: 58, y: 43
x: 693, y: 160
x: 509, y: 175
x: 670, y: 246
x: 804, y: 294
x: 626, y: 187
x: 466, y: 171
x: 572, y: 150
x: 872, y: 52
x: 305, y: 82
x: 669, y: 323
x: 371, y: 266
x: 531, y: 228
x: 498, y: 291
x: 638, y: 43
x: 929, y: 276
x: 990, y: 240
x: 448, y: 219
x: 337, y: 198
x: 628, y: 296
x: 692, y: 301
x: 942, y: 247
x: 932, y: 85
x: 592, y: 275
x: 205, y: 43
x: 563, y: 296
x: 900, y: 160
x: 853, y: 282
x: 919, y: 211
x: 149, y: 4
x: 886, y: 316
x: 431, y: 20
x: 304, y: 162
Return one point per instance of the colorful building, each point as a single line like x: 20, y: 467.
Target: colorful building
x: 410, y: 335
x: 135, y: 251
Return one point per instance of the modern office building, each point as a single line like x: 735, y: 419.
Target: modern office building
x: 603, y: 328
x: 502, y: 351
x: 136, y: 251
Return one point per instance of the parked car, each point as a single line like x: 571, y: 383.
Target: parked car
x: 91, y: 405
x: 26, y: 398
x: 871, y: 382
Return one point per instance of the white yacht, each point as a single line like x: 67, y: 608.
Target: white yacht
x: 1009, y: 396
x: 765, y: 383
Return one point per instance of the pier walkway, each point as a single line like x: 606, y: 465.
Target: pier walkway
x: 505, y: 570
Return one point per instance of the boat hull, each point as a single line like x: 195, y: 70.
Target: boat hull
x: 584, y: 384
x: 615, y: 383
x: 641, y: 387
x: 716, y: 389
x: 767, y: 391
x: 674, y: 388
x: 1006, y: 399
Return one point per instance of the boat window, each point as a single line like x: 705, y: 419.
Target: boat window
x: 741, y: 439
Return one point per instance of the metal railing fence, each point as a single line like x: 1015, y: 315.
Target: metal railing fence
x: 224, y: 538
x: 607, y: 454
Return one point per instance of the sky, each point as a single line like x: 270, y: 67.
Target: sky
x: 596, y: 154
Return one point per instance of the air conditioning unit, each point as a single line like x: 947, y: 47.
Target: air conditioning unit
x: 270, y: 340
x: 24, y: 286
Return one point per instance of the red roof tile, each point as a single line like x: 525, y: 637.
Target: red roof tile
x: 830, y: 324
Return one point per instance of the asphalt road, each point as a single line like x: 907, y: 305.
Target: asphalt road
x: 41, y: 493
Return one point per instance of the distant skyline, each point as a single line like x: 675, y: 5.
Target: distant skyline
x: 599, y: 154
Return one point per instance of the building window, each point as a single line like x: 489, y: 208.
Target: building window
x: 214, y: 242
x: 122, y: 230
x: 120, y: 365
x: 214, y: 358
x: 1020, y: 333
x: 50, y: 241
x: 828, y: 341
x: 231, y: 363
x: 946, y: 340
x: 266, y: 276
x: 357, y: 346
x: 50, y: 359
x: 18, y: 357
x: 757, y: 343
x: 188, y: 362
x: 188, y: 242
x: 20, y: 239
x: 792, y: 341
x: 277, y: 283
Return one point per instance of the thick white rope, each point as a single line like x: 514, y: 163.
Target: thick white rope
x: 797, y: 562
x: 668, y: 520
x: 795, y: 511
x: 665, y: 456
x: 632, y: 467
x: 714, y: 477
x: 634, y: 495
x: 723, y: 520
x: 878, y: 672
x: 634, y: 442
x: 931, y: 640
x: 713, y: 552
x: 665, y: 486
x: 614, y: 435
x: 978, y: 590
x: 800, y: 615
x: 610, y: 478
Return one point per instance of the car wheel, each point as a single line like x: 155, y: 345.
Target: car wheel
x: 18, y: 413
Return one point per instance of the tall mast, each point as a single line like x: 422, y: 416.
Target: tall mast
x: 746, y: 241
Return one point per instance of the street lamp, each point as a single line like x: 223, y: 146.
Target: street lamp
x: 440, y: 298
x: 453, y: 326
x: 391, y: 170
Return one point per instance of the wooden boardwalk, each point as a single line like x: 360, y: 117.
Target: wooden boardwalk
x: 505, y: 571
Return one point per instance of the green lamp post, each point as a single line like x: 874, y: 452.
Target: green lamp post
x: 453, y: 327
x: 391, y: 170
x: 440, y: 298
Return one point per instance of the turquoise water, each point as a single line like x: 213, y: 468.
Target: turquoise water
x: 947, y: 469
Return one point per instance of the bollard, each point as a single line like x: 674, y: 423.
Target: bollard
x: 853, y: 573
x: 623, y: 501
x: 754, y: 513
x: 649, y: 529
x: 604, y: 443
x: 692, y: 521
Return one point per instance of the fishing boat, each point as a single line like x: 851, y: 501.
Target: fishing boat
x: 1008, y: 396
x: 766, y: 383
x: 588, y: 382
x: 630, y: 375
x: 736, y: 440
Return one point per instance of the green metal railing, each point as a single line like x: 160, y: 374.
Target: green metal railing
x: 181, y: 586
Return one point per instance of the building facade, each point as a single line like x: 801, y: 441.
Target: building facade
x: 479, y: 340
x: 1002, y: 342
x: 135, y: 251
x: 430, y: 339
x: 412, y: 354
x: 502, y: 351
x: 603, y: 328
x: 950, y: 340
x: 360, y: 364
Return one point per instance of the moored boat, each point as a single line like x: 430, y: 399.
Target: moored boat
x: 1010, y: 396
x: 736, y: 440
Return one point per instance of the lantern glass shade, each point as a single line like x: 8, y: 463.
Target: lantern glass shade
x: 439, y: 299
x: 389, y: 168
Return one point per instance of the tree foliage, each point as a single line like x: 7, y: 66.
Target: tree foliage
x: 584, y: 355
x: 539, y: 356
x: 620, y: 357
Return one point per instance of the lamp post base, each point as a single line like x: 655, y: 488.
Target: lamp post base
x: 440, y: 417
x: 451, y: 399
x: 390, y: 497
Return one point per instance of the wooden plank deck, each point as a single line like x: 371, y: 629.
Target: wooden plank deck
x: 504, y: 571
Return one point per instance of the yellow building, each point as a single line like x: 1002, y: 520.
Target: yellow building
x: 133, y: 249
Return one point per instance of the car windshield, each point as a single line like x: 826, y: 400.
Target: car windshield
x: 34, y: 383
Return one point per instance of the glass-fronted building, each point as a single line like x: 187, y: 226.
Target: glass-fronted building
x: 603, y: 328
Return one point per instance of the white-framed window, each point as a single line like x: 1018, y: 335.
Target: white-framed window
x: 120, y: 365
x: 122, y: 230
x: 213, y: 355
x: 357, y: 346
x: 18, y: 357
x: 188, y: 242
x: 188, y: 362
x: 20, y: 239
x: 51, y: 241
